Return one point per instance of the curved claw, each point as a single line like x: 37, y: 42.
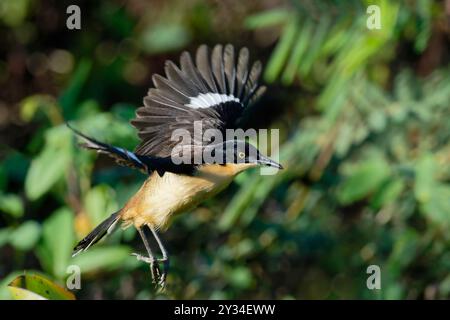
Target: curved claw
x: 158, y: 277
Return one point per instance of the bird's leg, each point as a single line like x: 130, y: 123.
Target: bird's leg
x: 154, y: 267
x: 165, y: 258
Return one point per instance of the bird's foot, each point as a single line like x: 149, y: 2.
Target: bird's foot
x: 158, y: 277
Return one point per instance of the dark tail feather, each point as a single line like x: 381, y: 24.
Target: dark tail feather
x: 106, y: 227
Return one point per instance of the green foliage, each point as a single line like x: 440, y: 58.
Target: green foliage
x: 70, y: 96
x: 164, y: 37
x: 365, y: 179
x: 13, y: 13
x: 11, y: 204
x: 25, y: 236
x: 329, y: 51
x: 363, y: 119
x: 99, y: 202
x: 102, y: 258
x: 41, y: 176
x: 57, y: 242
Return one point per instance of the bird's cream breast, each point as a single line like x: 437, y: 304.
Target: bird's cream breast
x: 162, y: 197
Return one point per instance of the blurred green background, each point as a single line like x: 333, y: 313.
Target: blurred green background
x: 364, y: 127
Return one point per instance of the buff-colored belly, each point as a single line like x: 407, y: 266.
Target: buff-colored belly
x: 160, y: 198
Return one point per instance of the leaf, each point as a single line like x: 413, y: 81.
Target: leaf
x: 5, y: 292
x: 124, y: 111
x: 57, y: 242
x: 424, y: 8
x: 50, y: 165
x: 101, y: 258
x: 14, y: 167
x: 11, y: 204
x: 70, y: 96
x: 36, y: 287
x: 14, y: 12
x: 164, y: 38
x: 266, y: 19
x: 404, y: 251
x: 315, y: 45
x: 45, y: 103
x: 240, y: 277
x: 238, y: 205
x: 4, y: 236
x: 387, y: 193
x: 437, y: 208
x: 425, y: 178
x: 300, y: 47
x: 282, y: 50
x: 106, y: 128
x: 25, y: 236
x: 366, y: 178
x: 22, y: 294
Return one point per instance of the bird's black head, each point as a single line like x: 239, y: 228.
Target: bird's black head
x: 238, y: 152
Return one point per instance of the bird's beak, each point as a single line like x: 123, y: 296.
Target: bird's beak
x: 265, y: 161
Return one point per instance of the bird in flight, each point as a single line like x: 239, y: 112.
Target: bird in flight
x: 214, y: 91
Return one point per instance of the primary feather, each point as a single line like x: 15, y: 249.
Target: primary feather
x: 215, y: 90
x: 146, y: 164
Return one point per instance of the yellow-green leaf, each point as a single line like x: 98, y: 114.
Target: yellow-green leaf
x: 50, y: 165
x: 387, y: 193
x: 36, y: 287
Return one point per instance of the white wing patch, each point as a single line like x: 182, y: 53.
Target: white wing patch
x: 206, y: 100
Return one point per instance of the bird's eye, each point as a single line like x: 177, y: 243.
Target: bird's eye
x: 241, y: 155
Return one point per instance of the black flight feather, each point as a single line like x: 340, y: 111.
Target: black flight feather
x: 214, y: 91
x: 204, y: 67
x: 146, y: 164
x: 229, y: 68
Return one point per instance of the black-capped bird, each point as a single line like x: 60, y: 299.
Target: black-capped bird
x: 214, y: 91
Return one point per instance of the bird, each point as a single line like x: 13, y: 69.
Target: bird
x: 215, y: 91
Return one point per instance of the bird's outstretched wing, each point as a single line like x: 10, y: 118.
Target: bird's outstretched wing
x: 146, y: 164
x: 214, y: 91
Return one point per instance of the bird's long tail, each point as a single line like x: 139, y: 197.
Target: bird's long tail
x: 106, y: 227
